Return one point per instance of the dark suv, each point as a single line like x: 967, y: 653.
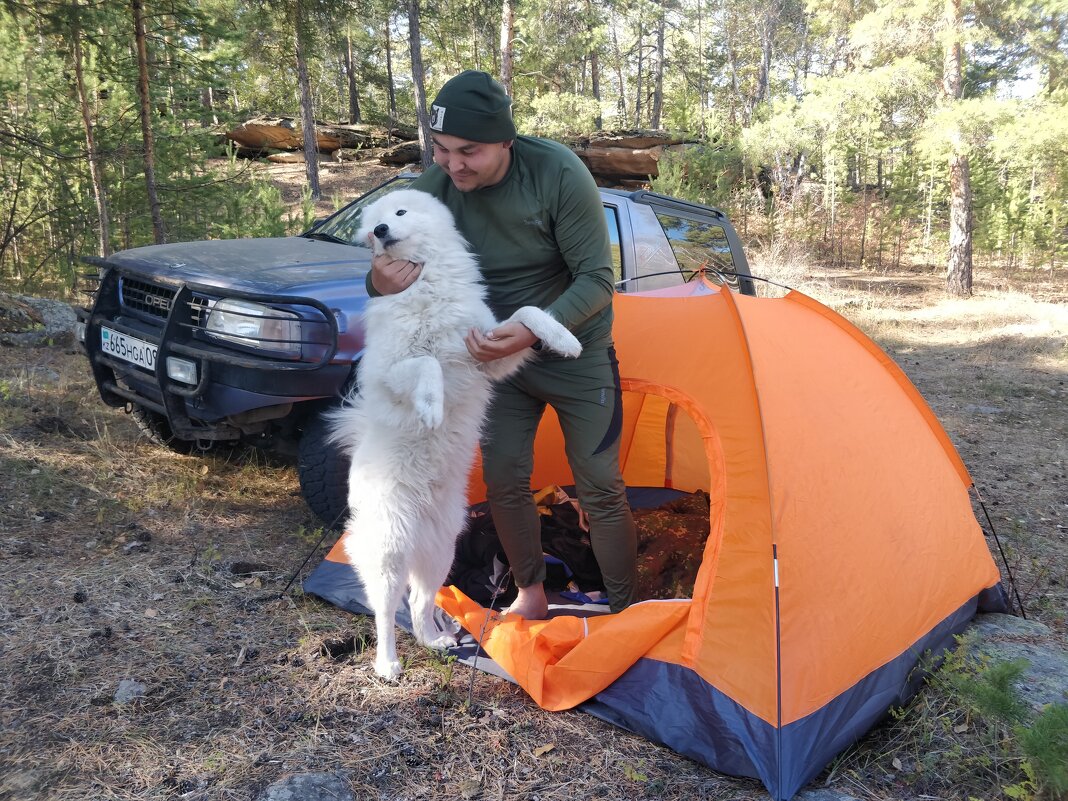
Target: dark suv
x: 249, y: 340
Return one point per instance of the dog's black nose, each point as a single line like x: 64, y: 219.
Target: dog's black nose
x: 381, y: 230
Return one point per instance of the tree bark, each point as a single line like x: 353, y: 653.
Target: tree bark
x: 99, y: 190
x: 419, y: 78
x: 639, y: 72
x: 391, y: 89
x: 595, y: 70
x: 507, y: 35
x: 350, y: 72
x: 307, y: 108
x: 959, y: 266
x: 767, y: 42
x: 158, y: 231
x: 621, y: 103
x: 658, y: 72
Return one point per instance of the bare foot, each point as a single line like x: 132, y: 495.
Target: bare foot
x: 530, y: 604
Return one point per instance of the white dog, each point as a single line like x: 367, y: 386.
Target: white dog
x: 413, y: 424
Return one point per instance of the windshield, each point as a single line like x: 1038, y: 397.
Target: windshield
x: 344, y: 225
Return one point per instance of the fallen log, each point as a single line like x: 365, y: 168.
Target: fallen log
x: 613, y: 155
x: 284, y: 133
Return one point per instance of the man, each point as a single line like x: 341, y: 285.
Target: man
x: 531, y: 211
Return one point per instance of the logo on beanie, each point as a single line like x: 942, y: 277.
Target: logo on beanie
x: 437, y: 117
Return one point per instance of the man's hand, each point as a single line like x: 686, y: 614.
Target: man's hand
x: 390, y: 276
x: 504, y: 340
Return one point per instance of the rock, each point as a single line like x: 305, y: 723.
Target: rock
x: 17, y: 316
x: 823, y: 794
x: 1005, y: 638
x: 129, y: 690
x: 35, y: 321
x: 309, y: 787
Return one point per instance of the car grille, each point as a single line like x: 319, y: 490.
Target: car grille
x: 156, y: 301
x: 150, y: 299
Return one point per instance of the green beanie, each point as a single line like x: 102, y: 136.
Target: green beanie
x: 473, y: 106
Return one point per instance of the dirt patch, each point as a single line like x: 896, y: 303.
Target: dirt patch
x: 339, y: 182
x: 121, y: 562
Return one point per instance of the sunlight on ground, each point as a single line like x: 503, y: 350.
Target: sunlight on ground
x: 1004, y: 325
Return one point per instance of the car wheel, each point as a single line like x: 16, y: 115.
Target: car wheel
x: 158, y: 431
x: 324, y: 473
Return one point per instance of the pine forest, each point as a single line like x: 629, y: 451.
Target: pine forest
x: 861, y: 134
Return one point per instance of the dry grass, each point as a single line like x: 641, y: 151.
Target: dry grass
x: 121, y: 561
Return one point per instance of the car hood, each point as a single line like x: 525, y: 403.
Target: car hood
x: 289, y: 265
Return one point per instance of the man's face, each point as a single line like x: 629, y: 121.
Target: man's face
x: 471, y: 165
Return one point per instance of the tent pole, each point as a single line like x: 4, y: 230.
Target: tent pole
x: 1004, y: 559
x: 326, y: 530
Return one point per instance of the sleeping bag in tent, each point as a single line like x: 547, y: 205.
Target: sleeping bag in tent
x: 841, y: 541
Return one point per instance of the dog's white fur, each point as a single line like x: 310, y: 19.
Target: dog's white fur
x: 413, y: 425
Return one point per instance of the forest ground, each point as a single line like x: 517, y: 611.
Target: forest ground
x: 126, y: 569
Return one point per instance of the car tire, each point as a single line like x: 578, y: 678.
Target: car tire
x: 324, y: 473
x: 155, y: 427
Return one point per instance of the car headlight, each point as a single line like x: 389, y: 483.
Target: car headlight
x: 254, y: 325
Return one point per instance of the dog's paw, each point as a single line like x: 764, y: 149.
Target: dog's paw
x: 553, y: 334
x: 442, y: 643
x: 431, y: 411
x: 387, y: 668
x: 563, y: 342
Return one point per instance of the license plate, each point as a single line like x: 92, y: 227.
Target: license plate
x: 129, y: 349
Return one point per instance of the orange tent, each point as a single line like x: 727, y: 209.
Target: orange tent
x: 842, y: 542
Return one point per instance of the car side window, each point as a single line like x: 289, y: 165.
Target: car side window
x: 697, y: 244
x: 611, y: 216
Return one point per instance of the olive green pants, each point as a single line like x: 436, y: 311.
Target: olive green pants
x: 586, y: 396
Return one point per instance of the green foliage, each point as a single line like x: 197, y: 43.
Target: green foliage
x: 835, y: 109
x: 557, y: 116
x: 989, y: 691
x: 707, y: 174
x: 1045, y: 744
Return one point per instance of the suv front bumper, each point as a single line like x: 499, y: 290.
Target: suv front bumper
x: 237, y: 388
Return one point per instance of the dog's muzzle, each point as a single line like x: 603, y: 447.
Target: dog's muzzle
x: 382, y: 233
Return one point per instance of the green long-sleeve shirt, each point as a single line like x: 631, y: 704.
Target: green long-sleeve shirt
x: 541, y: 237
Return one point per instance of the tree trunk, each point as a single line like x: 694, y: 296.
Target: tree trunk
x: 732, y: 64
x: 207, y: 94
x: 158, y: 231
x: 638, y: 88
x: 419, y: 78
x: 701, y: 93
x: 767, y: 41
x: 350, y: 72
x: 307, y: 108
x: 507, y: 35
x: 391, y: 89
x: 620, y: 81
x: 595, y: 86
x: 99, y: 190
x: 959, y: 267
x: 658, y: 72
